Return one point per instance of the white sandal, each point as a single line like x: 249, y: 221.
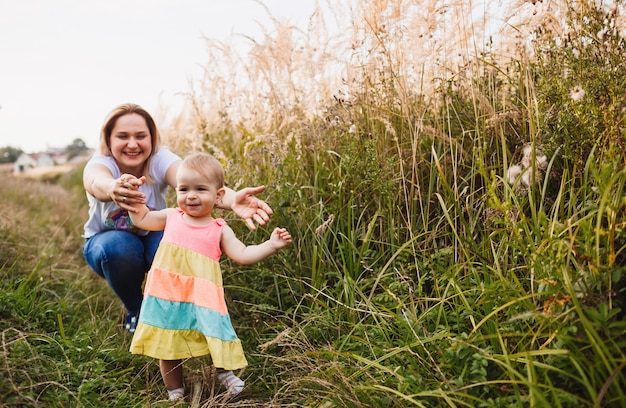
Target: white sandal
x: 233, y: 384
x: 176, y: 395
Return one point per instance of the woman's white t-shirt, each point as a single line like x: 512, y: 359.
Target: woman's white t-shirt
x: 108, y: 215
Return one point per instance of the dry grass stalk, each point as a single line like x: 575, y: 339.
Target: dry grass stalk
x: 288, y: 74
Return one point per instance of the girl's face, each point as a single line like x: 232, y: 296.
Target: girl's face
x: 131, y: 143
x: 195, y: 194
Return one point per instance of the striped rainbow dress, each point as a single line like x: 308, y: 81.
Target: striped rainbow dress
x: 184, y: 313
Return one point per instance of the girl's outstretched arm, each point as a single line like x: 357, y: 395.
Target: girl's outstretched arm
x: 148, y: 220
x: 248, y: 255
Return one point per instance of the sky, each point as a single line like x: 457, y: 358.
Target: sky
x: 65, y: 64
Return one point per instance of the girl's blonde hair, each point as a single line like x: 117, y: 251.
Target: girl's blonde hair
x: 206, y: 165
x: 109, y: 124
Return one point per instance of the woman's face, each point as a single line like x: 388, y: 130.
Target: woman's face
x: 131, y: 143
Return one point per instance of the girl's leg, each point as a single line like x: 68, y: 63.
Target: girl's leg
x: 172, y: 373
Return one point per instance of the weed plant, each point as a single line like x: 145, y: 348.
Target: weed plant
x: 423, y: 273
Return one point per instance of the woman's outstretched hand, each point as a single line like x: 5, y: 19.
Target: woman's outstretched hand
x: 125, y: 191
x: 250, y: 208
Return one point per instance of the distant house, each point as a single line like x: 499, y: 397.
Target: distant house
x: 50, y: 162
x: 28, y: 162
x: 59, y: 155
x: 44, y: 160
x: 24, y: 163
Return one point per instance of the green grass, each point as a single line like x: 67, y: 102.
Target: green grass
x: 419, y: 275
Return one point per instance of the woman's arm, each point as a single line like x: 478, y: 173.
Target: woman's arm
x: 170, y: 174
x: 247, y: 206
x: 99, y: 182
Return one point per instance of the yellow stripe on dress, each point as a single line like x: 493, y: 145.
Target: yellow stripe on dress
x: 181, y: 344
x: 174, y: 258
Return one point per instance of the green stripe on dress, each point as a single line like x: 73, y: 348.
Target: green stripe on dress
x: 186, y: 316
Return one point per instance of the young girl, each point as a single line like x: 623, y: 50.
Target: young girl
x: 184, y: 313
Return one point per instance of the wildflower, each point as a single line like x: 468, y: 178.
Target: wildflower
x: 541, y: 160
x: 513, y: 173
x: 322, y: 228
x: 577, y: 93
x: 524, y: 170
x: 526, y: 181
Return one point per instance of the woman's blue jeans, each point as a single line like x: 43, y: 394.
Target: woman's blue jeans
x: 123, y: 259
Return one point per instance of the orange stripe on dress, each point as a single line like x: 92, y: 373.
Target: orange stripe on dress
x: 179, y: 288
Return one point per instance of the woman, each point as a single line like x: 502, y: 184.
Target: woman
x: 114, y: 248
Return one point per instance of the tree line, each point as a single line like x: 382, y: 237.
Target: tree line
x: 9, y: 154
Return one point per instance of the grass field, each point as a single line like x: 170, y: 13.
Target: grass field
x: 458, y: 225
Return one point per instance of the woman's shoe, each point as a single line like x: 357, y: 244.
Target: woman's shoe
x: 131, y: 323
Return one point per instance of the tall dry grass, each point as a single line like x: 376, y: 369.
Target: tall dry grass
x: 347, y: 48
x: 385, y: 131
x: 457, y: 209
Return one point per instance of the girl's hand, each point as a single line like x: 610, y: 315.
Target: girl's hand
x: 280, y: 238
x: 250, y: 208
